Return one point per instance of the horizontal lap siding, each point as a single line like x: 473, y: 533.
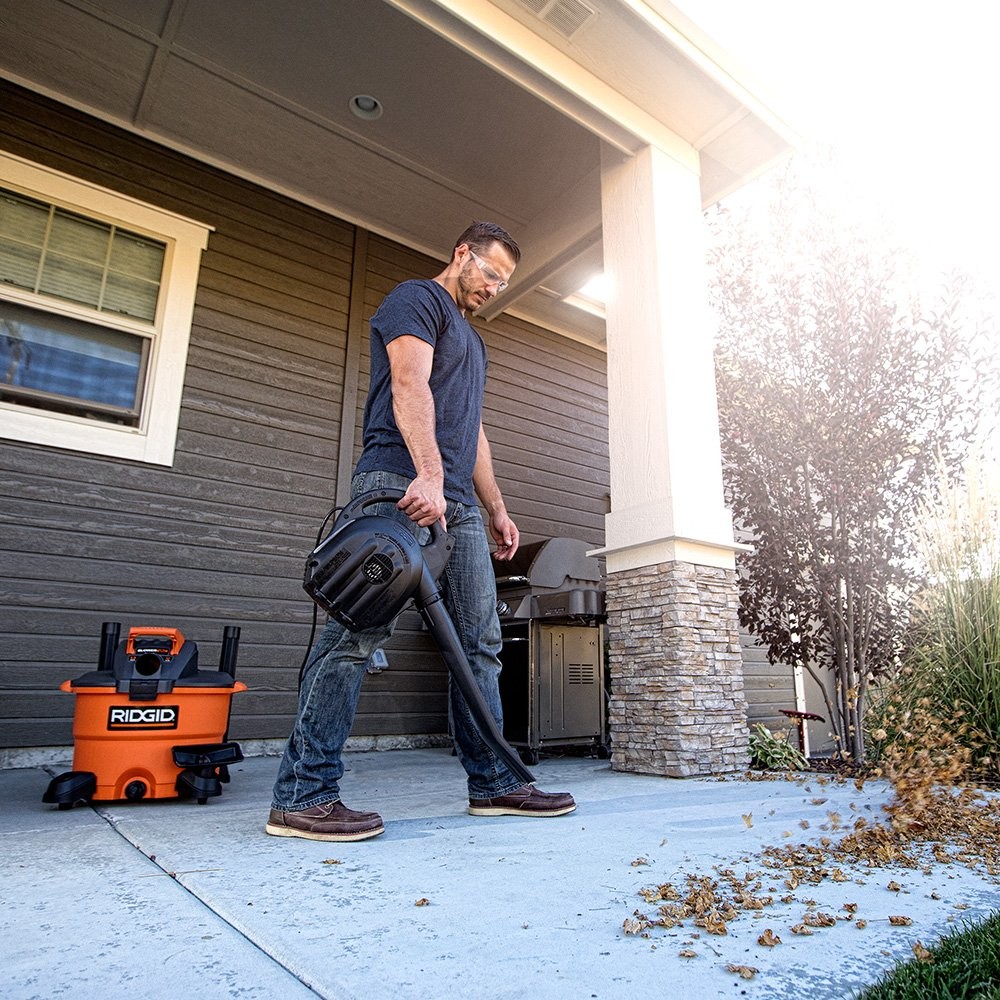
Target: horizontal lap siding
x: 769, y: 687
x: 220, y: 537
x: 546, y: 415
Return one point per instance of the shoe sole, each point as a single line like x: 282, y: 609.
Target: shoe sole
x: 510, y: 811
x: 289, y: 831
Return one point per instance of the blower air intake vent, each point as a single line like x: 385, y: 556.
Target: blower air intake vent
x: 377, y: 568
x: 565, y: 16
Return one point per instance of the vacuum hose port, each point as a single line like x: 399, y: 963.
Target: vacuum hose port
x: 147, y: 664
x: 135, y: 790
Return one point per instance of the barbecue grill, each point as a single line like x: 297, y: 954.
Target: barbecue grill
x: 550, y: 598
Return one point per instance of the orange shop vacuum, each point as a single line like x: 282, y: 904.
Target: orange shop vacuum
x: 148, y: 723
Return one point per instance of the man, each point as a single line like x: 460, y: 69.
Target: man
x: 423, y: 434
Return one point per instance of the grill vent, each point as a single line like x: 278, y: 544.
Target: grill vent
x: 565, y: 16
x: 579, y: 673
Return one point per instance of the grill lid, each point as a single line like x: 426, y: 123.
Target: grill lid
x: 551, y: 578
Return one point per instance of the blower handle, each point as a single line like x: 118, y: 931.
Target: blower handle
x: 436, y: 552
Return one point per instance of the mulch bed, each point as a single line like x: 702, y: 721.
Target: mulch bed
x: 841, y: 768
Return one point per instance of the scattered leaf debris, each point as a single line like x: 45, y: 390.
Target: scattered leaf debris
x: 935, y: 816
x: 769, y: 939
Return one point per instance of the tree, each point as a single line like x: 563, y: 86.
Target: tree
x: 839, y: 390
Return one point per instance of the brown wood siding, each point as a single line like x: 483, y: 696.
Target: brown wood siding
x: 220, y: 537
x: 769, y: 687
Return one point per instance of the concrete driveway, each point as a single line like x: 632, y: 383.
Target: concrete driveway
x: 171, y: 899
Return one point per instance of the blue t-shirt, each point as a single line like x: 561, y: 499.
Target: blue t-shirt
x: 424, y: 309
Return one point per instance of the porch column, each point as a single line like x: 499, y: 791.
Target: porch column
x: 678, y: 706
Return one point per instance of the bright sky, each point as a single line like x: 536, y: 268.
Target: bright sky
x: 905, y: 90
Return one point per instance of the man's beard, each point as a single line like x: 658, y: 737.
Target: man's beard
x: 468, y: 294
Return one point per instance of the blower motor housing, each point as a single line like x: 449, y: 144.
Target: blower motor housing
x: 364, y: 573
x: 368, y: 567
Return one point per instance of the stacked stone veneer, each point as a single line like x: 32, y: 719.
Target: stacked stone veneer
x: 678, y: 706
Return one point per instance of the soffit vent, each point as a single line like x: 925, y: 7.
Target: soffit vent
x: 565, y: 16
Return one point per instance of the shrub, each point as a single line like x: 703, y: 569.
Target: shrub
x: 946, y: 694
x: 773, y: 753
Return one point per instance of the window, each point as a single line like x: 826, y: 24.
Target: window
x: 96, y: 298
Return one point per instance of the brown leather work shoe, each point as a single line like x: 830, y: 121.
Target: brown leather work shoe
x: 329, y: 821
x: 524, y: 801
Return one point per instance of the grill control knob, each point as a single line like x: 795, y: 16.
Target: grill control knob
x: 503, y: 608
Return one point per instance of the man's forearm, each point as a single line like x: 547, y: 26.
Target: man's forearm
x: 413, y: 408
x: 502, y: 529
x: 484, y: 479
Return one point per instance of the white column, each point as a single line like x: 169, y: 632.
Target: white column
x: 666, y: 472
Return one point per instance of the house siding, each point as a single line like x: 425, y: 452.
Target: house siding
x: 220, y: 537
x: 769, y: 687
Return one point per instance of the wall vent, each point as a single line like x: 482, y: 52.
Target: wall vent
x: 565, y: 16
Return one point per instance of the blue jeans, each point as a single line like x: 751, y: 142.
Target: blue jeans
x: 312, y: 766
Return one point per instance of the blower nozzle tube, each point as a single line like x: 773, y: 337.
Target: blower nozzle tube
x: 431, y: 608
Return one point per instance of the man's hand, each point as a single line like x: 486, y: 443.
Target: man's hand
x: 504, y: 532
x: 424, y: 502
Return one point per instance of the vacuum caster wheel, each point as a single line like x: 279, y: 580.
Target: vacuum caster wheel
x: 71, y: 787
x: 199, y: 784
x: 206, y: 767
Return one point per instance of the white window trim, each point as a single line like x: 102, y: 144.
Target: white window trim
x: 155, y: 438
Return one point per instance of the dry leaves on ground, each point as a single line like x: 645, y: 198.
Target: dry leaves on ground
x: 933, y: 817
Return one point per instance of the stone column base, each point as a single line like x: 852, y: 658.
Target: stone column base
x: 678, y: 706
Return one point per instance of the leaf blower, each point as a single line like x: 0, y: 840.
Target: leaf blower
x: 366, y: 570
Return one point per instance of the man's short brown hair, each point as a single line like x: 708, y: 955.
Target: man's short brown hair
x: 480, y: 235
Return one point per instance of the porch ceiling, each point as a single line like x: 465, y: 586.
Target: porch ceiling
x: 471, y: 128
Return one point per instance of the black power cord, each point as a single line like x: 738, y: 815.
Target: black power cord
x: 331, y: 513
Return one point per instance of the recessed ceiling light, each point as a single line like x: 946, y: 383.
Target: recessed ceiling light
x: 365, y: 106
